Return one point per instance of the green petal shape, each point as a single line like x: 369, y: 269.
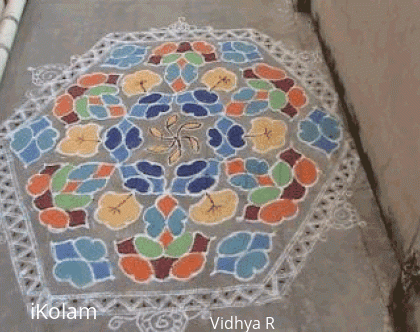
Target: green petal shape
x: 281, y: 173
x: 194, y: 58
x: 59, y: 179
x: 260, y: 85
x: 102, y: 90
x: 277, y: 99
x: 148, y: 247
x: 179, y: 246
x: 82, y: 107
x: 70, y: 202
x: 170, y: 58
x: 264, y: 195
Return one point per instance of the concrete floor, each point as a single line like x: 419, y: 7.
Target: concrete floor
x: 346, y: 282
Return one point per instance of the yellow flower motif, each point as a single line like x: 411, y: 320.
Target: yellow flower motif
x: 81, y: 140
x: 214, y: 208
x: 219, y: 79
x: 267, y: 134
x: 117, y: 211
x: 140, y: 82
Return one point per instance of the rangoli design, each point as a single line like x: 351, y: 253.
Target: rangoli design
x: 165, y: 159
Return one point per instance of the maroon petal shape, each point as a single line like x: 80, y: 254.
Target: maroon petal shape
x: 113, y: 78
x: 200, y: 243
x: 126, y: 247
x: 249, y: 73
x: 44, y: 201
x: 209, y: 57
x: 77, y: 218
x: 285, y: 84
x: 76, y: 91
x: 290, y: 156
x: 155, y: 59
x: 50, y: 169
x: 251, y: 212
x: 294, y: 191
x: 184, y: 47
x: 70, y: 118
x: 162, y: 266
x: 289, y: 110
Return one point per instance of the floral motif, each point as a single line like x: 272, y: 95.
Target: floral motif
x: 31, y: 141
x: 267, y: 134
x: 239, y: 52
x: 195, y: 177
x: 182, y: 61
x: 81, y: 262
x: 125, y: 56
x: 226, y: 137
x: 268, y: 88
x: 200, y: 103
x: 140, y: 82
x: 95, y: 96
x: 219, y: 79
x: 117, y: 211
x: 243, y: 254
x: 175, y: 139
x: 122, y: 139
x: 151, y: 106
x: 80, y: 140
x: 144, y: 177
x: 321, y: 131
x: 61, y: 192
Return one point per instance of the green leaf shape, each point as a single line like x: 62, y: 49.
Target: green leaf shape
x: 281, y: 173
x: 264, y: 195
x: 260, y: 85
x: 147, y: 247
x: 70, y: 202
x: 59, y: 179
x: 103, y: 90
x: 194, y: 58
x: 82, y: 107
x: 277, y: 99
x: 170, y: 58
x: 180, y: 245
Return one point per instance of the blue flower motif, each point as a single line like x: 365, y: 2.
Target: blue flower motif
x: 121, y: 139
x: 243, y: 254
x: 156, y: 221
x: 144, y: 177
x: 321, y: 131
x: 81, y: 262
x: 125, y: 56
x: 152, y: 106
x: 33, y: 140
x: 226, y: 137
x: 200, y: 103
x: 195, y: 177
x: 239, y: 52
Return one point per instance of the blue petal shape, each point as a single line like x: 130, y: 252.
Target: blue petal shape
x: 244, y: 47
x: 189, y: 73
x: 200, y: 184
x: 158, y: 185
x: 235, y: 136
x: 113, y: 138
x: 90, y: 249
x: 111, y: 62
x: 215, y: 108
x: 212, y: 168
x: 150, y: 99
x: 260, y: 241
x: 31, y: 153
x: 226, y: 264
x: 234, y: 244
x: 256, y: 166
x: 256, y: 107
x: 123, y: 51
x: 186, y: 97
x: 99, y: 112
x: 78, y: 273
x: 120, y: 154
x: 91, y: 186
x: 253, y: 56
x: 155, y: 110
x: 227, y: 47
x: 133, y: 139
x: 317, y: 116
x: 215, y: 137
x: 244, y: 94
x: 46, y: 139
x: 244, y: 181
x: 193, y: 168
x: 101, y: 270
x: 225, y: 150
x: 308, y: 131
x: 205, y: 96
x: 224, y: 124
x: 150, y: 169
x: 138, y: 184
x: 330, y: 128
x: 251, y: 264
x: 235, y: 57
x: 179, y: 185
x: 65, y: 250
x: 172, y: 72
x: 125, y: 125
x: 194, y: 109
x: 138, y: 110
x: 83, y: 172
x: 176, y: 221
x: 325, y: 144
x: 155, y: 221
x: 128, y: 171
x: 110, y: 100
x: 39, y: 125
x: 21, y: 139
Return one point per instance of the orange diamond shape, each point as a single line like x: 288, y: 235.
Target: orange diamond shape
x: 70, y: 187
x: 166, y: 238
x: 104, y: 171
x: 265, y: 180
x: 182, y: 62
x: 166, y: 205
x: 178, y: 85
x: 235, y: 166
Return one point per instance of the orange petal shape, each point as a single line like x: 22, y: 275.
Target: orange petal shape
x: 235, y: 166
x: 202, y: 47
x: 235, y: 109
x: 63, y: 105
x: 166, y: 205
x: 275, y: 212
x: 297, y: 97
x: 306, y: 171
x: 137, y: 268
x: 91, y: 80
x: 270, y: 73
x: 38, y: 184
x: 188, y: 265
x: 54, y: 217
x: 165, y: 49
